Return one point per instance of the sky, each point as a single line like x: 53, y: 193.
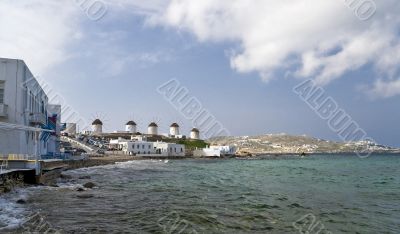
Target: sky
x: 240, y: 59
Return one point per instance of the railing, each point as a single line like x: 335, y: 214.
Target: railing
x: 77, y: 143
x: 17, y: 157
x: 3, y: 110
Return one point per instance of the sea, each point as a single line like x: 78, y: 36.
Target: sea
x: 314, y: 194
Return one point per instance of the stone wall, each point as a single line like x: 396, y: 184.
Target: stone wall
x: 16, y: 179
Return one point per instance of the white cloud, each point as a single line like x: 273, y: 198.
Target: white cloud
x: 384, y: 89
x: 37, y: 31
x: 308, y: 38
x: 323, y: 39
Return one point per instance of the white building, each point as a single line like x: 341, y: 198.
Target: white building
x: 152, y: 129
x: 225, y: 150
x: 138, y: 148
x: 215, y: 151
x: 195, y: 134
x: 207, y: 152
x: 174, y: 129
x: 144, y: 148
x: 23, y: 103
x: 97, y: 127
x: 139, y: 138
x: 130, y: 127
x: 169, y: 149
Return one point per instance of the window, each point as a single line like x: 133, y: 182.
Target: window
x: 2, y: 91
x: 31, y: 101
x: 149, y: 146
x: 142, y: 146
x: 42, y: 107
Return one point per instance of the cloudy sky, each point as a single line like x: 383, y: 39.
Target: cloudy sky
x: 240, y: 58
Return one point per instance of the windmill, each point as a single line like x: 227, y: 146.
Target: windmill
x: 99, y: 121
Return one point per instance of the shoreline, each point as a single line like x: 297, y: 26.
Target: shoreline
x: 53, y: 170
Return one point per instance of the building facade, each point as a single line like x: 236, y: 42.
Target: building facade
x: 23, y: 102
x: 145, y: 148
x: 138, y: 147
x: 225, y: 150
x: 169, y: 149
x: 207, y: 152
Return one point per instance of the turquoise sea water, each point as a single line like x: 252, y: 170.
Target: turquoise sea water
x: 333, y: 194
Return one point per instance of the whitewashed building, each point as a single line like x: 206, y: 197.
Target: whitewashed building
x: 169, y: 149
x: 23, y: 103
x: 207, y: 152
x: 225, y: 150
x: 144, y: 148
x: 138, y: 148
x: 215, y: 151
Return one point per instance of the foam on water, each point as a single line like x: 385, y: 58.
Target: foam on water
x: 345, y: 194
x: 12, y: 214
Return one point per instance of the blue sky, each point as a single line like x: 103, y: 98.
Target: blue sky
x: 242, y: 72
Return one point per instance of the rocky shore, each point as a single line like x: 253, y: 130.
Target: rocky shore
x: 53, y: 170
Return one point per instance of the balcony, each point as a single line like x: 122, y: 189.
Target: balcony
x: 3, y: 111
x: 37, y: 119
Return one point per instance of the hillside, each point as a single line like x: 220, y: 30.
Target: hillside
x: 283, y: 143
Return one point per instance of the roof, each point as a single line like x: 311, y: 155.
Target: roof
x: 152, y: 124
x: 131, y: 123
x: 97, y: 122
x: 195, y: 130
x: 175, y: 125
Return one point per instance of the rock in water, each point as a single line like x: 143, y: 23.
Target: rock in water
x: 66, y: 177
x: 84, y: 177
x: 89, y: 185
x: 80, y: 189
x: 21, y: 201
x: 84, y: 196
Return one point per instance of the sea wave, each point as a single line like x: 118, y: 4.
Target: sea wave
x: 12, y: 214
